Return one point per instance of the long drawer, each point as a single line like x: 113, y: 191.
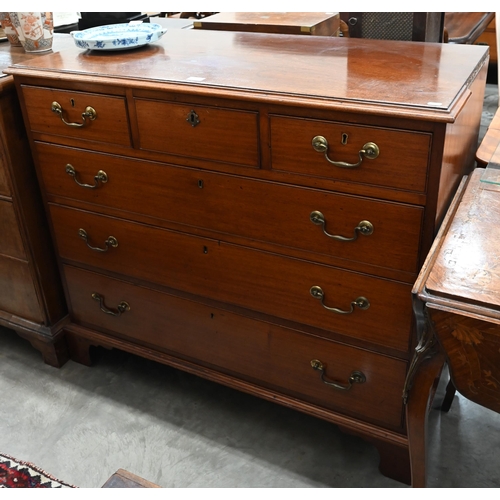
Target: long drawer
x: 109, y: 125
x: 273, y: 356
x: 401, y: 163
x: 260, y: 281
x: 259, y: 210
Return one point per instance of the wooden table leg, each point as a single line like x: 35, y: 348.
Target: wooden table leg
x: 420, y: 399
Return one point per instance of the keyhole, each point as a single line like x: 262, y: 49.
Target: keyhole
x: 200, y: 184
x: 205, y: 249
x: 344, y: 139
x: 193, y: 118
x: 72, y: 101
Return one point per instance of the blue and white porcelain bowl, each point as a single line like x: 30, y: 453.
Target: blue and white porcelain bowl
x: 118, y: 36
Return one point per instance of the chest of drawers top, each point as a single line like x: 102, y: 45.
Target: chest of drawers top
x: 388, y: 77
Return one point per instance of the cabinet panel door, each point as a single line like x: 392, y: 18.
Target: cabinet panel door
x: 4, y: 186
x: 17, y: 292
x: 11, y: 243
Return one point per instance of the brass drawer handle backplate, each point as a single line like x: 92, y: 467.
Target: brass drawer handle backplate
x: 370, y: 150
x: 356, y: 377
x: 101, y: 176
x: 110, y: 242
x: 89, y: 113
x: 365, y: 227
x: 361, y: 302
x: 122, y: 306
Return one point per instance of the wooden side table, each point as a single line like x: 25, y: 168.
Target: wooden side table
x: 291, y: 23
x: 459, y: 291
x: 125, y: 479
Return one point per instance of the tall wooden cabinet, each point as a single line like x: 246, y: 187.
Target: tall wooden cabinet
x: 31, y: 296
x: 255, y: 208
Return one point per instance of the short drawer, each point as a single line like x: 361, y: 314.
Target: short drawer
x: 401, y: 163
x: 190, y: 130
x: 260, y: 281
x: 269, y: 355
x: 359, y: 229
x: 18, y: 295
x: 11, y: 243
x: 109, y: 125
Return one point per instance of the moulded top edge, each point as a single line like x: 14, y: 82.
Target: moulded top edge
x: 423, y: 77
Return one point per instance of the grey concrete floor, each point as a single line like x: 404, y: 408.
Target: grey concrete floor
x: 81, y: 424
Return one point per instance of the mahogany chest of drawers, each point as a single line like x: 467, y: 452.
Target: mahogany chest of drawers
x: 255, y: 208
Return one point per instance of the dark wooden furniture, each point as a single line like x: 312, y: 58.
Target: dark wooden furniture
x: 195, y: 15
x: 291, y: 23
x: 199, y: 221
x: 466, y: 27
x: 125, y: 479
x: 489, y: 37
x: 490, y: 142
x: 173, y: 22
x: 31, y: 297
x: 459, y: 287
x: 410, y: 26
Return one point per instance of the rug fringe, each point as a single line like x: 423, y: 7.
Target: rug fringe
x: 37, y: 469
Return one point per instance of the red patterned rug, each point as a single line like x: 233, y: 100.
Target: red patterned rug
x: 18, y: 474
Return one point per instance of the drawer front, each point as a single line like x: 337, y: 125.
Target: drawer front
x: 4, y: 184
x: 260, y: 281
x: 111, y: 119
x: 226, y: 135
x: 11, y: 243
x: 273, y: 356
x: 258, y: 210
x: 17, y: 291
x: 401, y: 163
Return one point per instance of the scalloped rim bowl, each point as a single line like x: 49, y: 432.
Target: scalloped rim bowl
x: 118, y: 36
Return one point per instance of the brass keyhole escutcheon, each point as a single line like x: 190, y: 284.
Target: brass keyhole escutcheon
x: 193, y: 118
